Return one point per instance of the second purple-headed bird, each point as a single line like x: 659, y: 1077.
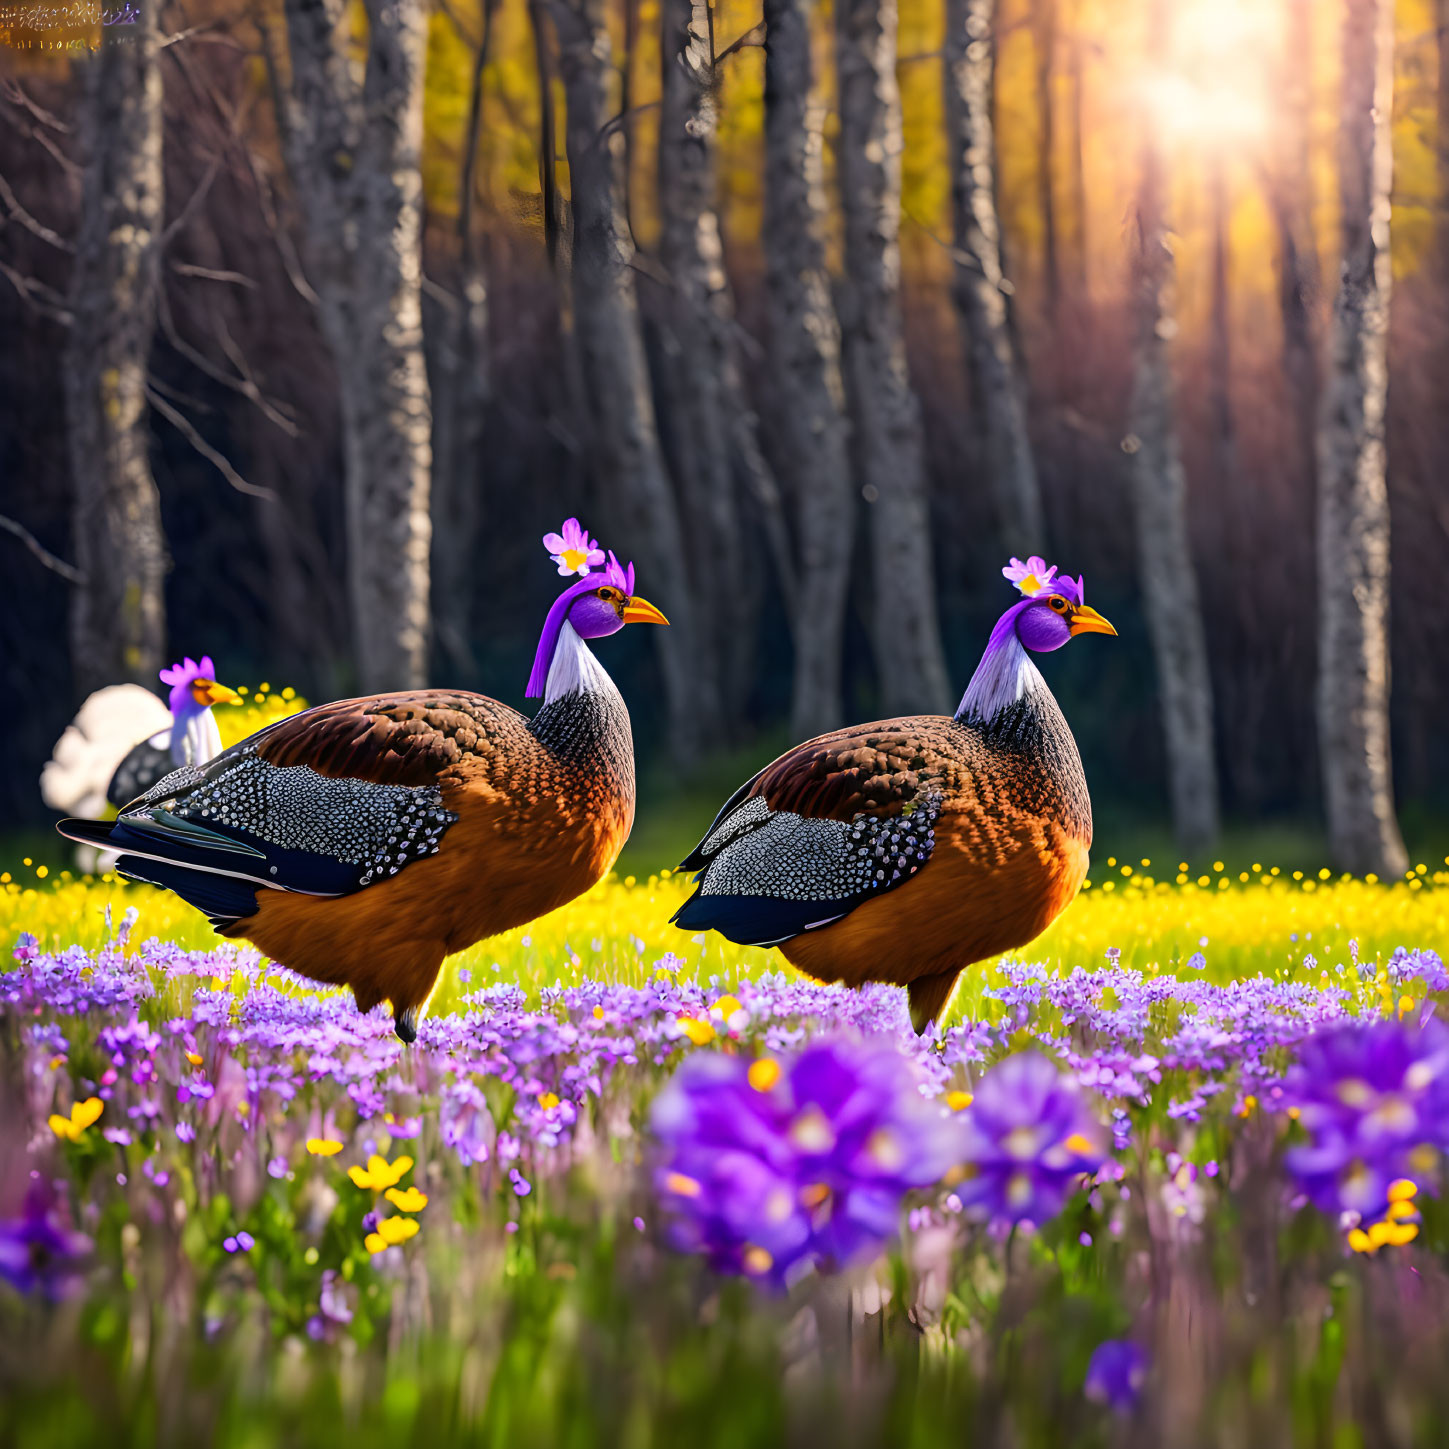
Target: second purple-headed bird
x: 907, y: 849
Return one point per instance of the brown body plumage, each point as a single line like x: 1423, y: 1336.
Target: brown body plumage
x: 539, y: 822
x: 1010, y: 853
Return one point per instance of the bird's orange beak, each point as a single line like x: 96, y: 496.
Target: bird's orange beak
x: 1086, y: 620
x: 641, y: 611
x: 209, y: 692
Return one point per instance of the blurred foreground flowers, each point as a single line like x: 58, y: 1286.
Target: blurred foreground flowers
x: 238, y: 1183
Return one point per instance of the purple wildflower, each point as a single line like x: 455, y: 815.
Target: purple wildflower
x: 1375, y: 1101
x: 37, y: 1253
x: 1115, y: 1374
x: 1029, y: 1138
x: 243, y: 1242
x: 771, y: 1165
x: 466, y: 1123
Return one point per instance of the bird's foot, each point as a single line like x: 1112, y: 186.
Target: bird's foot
x: 405, y: 1023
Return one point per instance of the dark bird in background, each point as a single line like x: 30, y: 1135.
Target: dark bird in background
x: 359, y: 843
x: 123, y: 740
x: 908, y: 849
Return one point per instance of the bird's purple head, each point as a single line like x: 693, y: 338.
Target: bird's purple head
x: 595, y: 606
x: 1053, y: 611
x: 194, y: 687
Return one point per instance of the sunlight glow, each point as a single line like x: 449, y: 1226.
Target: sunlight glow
x: 1214, y: 91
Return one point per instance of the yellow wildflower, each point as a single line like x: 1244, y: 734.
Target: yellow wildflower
x: 700, y: 1032
x: 82, y: 1115
x: 379, y: 1174
x: 959, y: 1101
x: 194, y: 1058
x: 1402, y: 1189
x: 726, y: 1006
x: 548, y: 1100
x: 323, y: 1146
x: 407, y: 1200
x: 764, y: 1073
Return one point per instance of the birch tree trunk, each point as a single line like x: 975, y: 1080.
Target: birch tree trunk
x: 1353, y: 499
x: 628, y: 457
x: 886, y: 443
x: 981, y: 286
x: 701, y: 381
x: 1159, y: 489
x: 804, y: 365
x: 118, y: 616
x: 353, y: 147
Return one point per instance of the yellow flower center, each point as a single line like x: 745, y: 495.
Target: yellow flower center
x: 1020, y: 1142
x: 575, y: 558
x: 682, y: 1184
x: 757, y: 1260
x: 810, y: 1132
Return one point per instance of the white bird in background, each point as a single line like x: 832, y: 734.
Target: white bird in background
x: 98, y: 761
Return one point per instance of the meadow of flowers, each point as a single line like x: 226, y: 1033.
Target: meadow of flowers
x: 1172, y: 1177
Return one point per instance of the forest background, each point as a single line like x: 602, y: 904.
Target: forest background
x: 280, y: 284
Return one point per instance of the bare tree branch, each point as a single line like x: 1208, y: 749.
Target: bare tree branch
x: 211, y: 274
x: 244, y: 384
x: 45, y: 300
x: 37, y: 228
x: 182, y: 424
x: 68, y: 572
x: 754, y: 36
x: 15, y: 93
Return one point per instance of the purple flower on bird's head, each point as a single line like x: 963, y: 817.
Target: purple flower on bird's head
x: 1375, y: 1101
x: 1032, y: 576
x: 194, y: 687
x: 573, y: 550
x: 37, y: 1253
x: 1029, y: 1139
x: 1115, y: 1374
x: 772, y: 1165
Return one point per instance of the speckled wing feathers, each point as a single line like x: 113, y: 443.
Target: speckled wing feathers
x: 852, y: 815
x: 832, y: 823
x: 326, y: 802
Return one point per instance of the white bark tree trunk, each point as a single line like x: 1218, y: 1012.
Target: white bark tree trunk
x: 615, y: 373
x: 353, y: 146
x: 804, y: 363
x: 981, y: 285
x: 118, y: 615
x: 1159, y: 489
x: 701, y: 380
x: 886, y: 444
x: 1353, y: 499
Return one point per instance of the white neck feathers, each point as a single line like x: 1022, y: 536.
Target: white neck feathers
x: 198, y: 743
x: 574, y: 669
x: 1004, y: 676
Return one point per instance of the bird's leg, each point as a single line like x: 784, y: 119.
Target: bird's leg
x: 405, y: 1023
x: 928, y: 997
